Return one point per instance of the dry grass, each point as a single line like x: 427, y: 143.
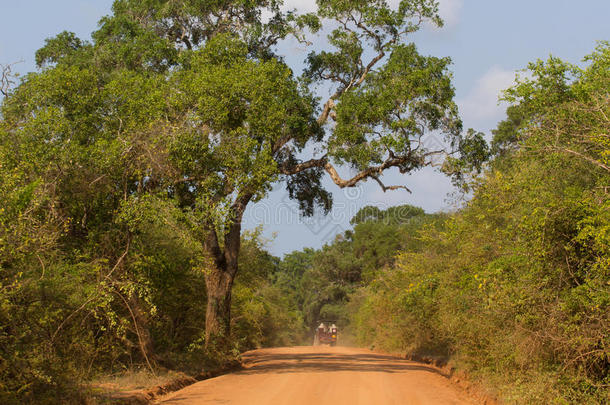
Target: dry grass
x: 134, y: 380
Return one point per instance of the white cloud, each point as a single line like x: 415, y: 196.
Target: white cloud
x: 481, y: 103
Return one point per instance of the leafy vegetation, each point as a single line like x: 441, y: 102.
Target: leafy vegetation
x: 126, y: 165
x: 515, y: 286
x: 128, y: 162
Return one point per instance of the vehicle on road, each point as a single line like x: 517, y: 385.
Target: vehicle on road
x: 326, y: 333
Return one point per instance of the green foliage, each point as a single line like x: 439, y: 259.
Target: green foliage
x: 514, y: 287
x: 243, y: 107
x: 264, y: 313
x: 474, y: 153
x: 401, y: 214
x: 322, y: 282
x: 64, y: 45
x: 127, y: 164
x: 409, y: 94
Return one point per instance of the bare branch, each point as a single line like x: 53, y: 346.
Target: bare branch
x: 7, y: 77
x: 369, y: 172
x: 385, y: 188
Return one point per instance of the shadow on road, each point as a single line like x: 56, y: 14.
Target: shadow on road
x: 329, y: 362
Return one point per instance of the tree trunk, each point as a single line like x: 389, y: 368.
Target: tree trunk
x: 219, y: 278
x: 219, y: 283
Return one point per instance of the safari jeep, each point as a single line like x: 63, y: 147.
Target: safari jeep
x: 326, y: 333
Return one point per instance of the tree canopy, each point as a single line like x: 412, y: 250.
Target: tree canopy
x: 174, y: 117
x: 127, y: 162
x: 191, y: 100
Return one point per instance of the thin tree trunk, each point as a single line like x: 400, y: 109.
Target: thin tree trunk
x: 141, y: 324
x: 140, y: 328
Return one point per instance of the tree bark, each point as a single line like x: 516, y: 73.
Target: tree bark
x: 219, y: 283
x: 219, y: 278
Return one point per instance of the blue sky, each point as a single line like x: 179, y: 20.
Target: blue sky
x: 488, y: 40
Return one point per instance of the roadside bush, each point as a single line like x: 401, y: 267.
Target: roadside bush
x: 514, y: 288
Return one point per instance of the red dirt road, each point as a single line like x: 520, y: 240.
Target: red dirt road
x: 322, y: 376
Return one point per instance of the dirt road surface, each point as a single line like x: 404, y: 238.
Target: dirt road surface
x: 322, y: 376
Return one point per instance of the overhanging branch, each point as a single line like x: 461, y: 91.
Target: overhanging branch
x: 386, y: 188
x: 372, y: 172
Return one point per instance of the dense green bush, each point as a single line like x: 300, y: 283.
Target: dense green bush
x: 515, y: 287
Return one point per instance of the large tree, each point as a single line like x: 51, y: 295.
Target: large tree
x: 198, y: 92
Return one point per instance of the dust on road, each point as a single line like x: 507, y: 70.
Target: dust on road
x: 322, y: 376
